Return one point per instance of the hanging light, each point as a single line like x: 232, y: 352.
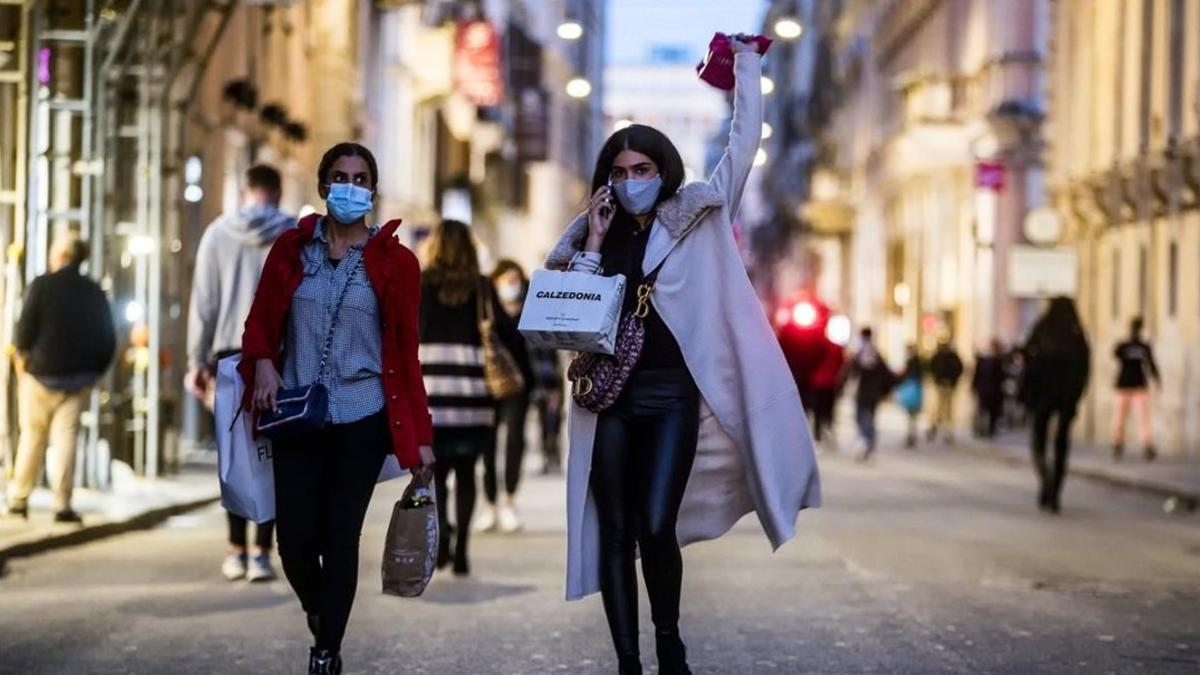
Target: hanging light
x: 579, y: 88
x: 788, y: 28
x: 768, y: 85
x: 570, y: 30
x: 767, y: 131
x: 622, y: 124
x: 760, y: 158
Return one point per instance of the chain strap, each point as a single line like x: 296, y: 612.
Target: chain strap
x: 337, y: 310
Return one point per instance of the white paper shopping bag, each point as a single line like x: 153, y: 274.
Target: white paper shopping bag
x: 244, y: 462
x: 578, y: 311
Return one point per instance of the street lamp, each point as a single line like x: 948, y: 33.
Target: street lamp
x: 570, y: 30
x: 579, y: 88
x: 767, y: 131
x: 788, y: 28
x: 760, y: 157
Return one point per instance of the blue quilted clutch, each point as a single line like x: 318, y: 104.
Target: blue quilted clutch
x: 298, y: 411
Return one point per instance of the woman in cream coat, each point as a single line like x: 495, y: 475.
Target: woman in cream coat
x: 709, y: 426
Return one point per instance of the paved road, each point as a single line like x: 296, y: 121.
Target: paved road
x: 924, y: 562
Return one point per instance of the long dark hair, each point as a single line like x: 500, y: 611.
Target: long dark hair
x: 451, y: 262
x: 650, y: 142
x: 507, y: 265
x: 1059, y: 328
x: 347, y: 149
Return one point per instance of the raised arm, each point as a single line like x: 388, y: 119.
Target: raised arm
x: 745, y: 131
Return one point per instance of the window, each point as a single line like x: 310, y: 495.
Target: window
x: 1116, y: 283
x: 1143, y: 285
x: 1173, y: 279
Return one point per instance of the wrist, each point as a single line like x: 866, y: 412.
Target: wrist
x: 593, y: 244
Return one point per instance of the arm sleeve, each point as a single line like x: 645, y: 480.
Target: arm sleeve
x: 27, y: 326
x: 204, y: 306
x: 410, y: 341
x: 257, y: 340
x: 745, y: 131
x: 586, y: 261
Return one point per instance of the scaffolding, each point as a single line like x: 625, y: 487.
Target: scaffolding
x: 102, y: 90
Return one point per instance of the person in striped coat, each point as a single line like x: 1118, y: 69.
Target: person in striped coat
x: 451, y: 355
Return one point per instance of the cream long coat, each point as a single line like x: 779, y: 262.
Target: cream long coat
x: 755, y: 452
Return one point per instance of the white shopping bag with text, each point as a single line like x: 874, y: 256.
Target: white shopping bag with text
x: 243, y: 461
x: 578, y: 311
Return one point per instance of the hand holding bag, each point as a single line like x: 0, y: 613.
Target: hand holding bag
x: 410, y: 549
x: 302, y: 410
x: 717, y: 67
x: 500, y: 369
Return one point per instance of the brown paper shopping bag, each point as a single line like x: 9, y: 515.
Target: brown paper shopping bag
x: 410, y: 550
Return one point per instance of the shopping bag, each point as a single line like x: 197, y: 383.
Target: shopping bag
x: 910, y: 395
x: 244, y: 463
x: 410, y: 549
x: 717, y: 66
x: 578, y: 311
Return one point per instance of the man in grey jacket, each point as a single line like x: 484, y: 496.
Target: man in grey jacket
x: 228, y: 264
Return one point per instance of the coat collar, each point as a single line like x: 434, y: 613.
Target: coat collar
x: 674, y: 219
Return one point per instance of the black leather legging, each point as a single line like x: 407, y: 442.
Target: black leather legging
x: 643, y: 453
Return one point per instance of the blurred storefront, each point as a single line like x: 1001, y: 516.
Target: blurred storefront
x: 132, y: 122
x: 1124, y: 159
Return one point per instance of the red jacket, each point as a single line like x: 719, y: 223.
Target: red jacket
x: 396, y: 277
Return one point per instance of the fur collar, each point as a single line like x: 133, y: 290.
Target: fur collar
x: 678, y: 215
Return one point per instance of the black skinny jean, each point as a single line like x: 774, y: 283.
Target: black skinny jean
x: 323, y: 484
x: 264, y: 533
x: 511, y: 414
x: 1052, y: 476
x: 643, y: 453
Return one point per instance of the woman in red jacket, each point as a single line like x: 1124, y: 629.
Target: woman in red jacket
x: 335, y: 275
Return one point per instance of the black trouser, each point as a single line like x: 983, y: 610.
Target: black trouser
x: 1052, y: 477
x: 463, y: 466
x: 819, y: 402
x: 511, y: 414
x: 263, y: 532
x: 990, y: 411
x: 323, y: 484
x: 549, y: 407
x: 644, y: 449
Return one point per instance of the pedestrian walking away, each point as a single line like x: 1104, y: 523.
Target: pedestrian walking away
x: 453, y: 363
x: 342, y: 298
x: 1137, y: 366
x: 987, y: 383
x: 1056, y: 374
x: 229, y: 262
x: 911, y: 393
x: 500, y: 510
x: 656, y: 470
x: 65, y: 340
x: 875, y: 382
x: 946, y: 369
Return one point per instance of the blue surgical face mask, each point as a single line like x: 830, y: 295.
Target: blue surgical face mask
x: 639, y: 196
x: 348, y: 202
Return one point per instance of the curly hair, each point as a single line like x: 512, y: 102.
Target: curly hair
x: 451, y: 262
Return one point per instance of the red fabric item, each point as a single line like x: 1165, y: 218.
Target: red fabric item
x: 717, y: 67
x: 825, y: 376
x: 396, y: 277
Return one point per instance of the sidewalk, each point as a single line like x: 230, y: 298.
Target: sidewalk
x: 132, y: 503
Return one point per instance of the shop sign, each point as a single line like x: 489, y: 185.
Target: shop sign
x: 989, y: 175
x: 477, y: 73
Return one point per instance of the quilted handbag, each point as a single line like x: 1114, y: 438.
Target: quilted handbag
x: 302, y: 410
x: 500, y: 369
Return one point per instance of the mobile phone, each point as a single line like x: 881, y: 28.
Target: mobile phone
x: 606, y: 210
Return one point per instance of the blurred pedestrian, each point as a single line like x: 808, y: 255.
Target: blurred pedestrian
x: 1015, y: 414
x: 1056, y: 375
x: 946, y: 369
x: 632, y: 463
x: 65, y: 340
x: 511, y: 284
x: 338, y: 301
x: 987, y: 383
x: 875, y: 381
x: 911, y: 392
x: 823, y: 390
x: 452, y: 359
x: 1137, y: 366
x: 229, y: 262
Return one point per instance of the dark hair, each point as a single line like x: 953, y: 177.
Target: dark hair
x: 347, y: 149
x: 866, y: 333
x: 264, y: 177
x: 650, y: 142
x: 1137, y: 325
x: 76, y: 250
x: 1059, y: 326
x: 450, y: 261
x: 507, y: 265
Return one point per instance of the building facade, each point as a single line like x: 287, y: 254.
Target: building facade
x: 1124, y: 175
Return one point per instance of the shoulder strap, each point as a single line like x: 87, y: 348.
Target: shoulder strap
x: 337, y: 311
x: 483, y: 303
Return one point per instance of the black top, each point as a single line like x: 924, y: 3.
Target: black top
x: 1137, y: 360
x: 623, y: 253
x: 66, y: 326
x: 1056, y: 370
x: 945, y: 367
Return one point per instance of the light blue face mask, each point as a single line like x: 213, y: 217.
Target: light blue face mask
x: 348, y: 202
x: 638, y: 196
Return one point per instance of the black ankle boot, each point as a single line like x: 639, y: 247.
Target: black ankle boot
x: 324, y: 662
x: 629, y: 665
x: 443, y: 554
x: 672, y: 655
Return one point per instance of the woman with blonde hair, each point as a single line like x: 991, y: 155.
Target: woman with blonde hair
x: 453, y: 297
